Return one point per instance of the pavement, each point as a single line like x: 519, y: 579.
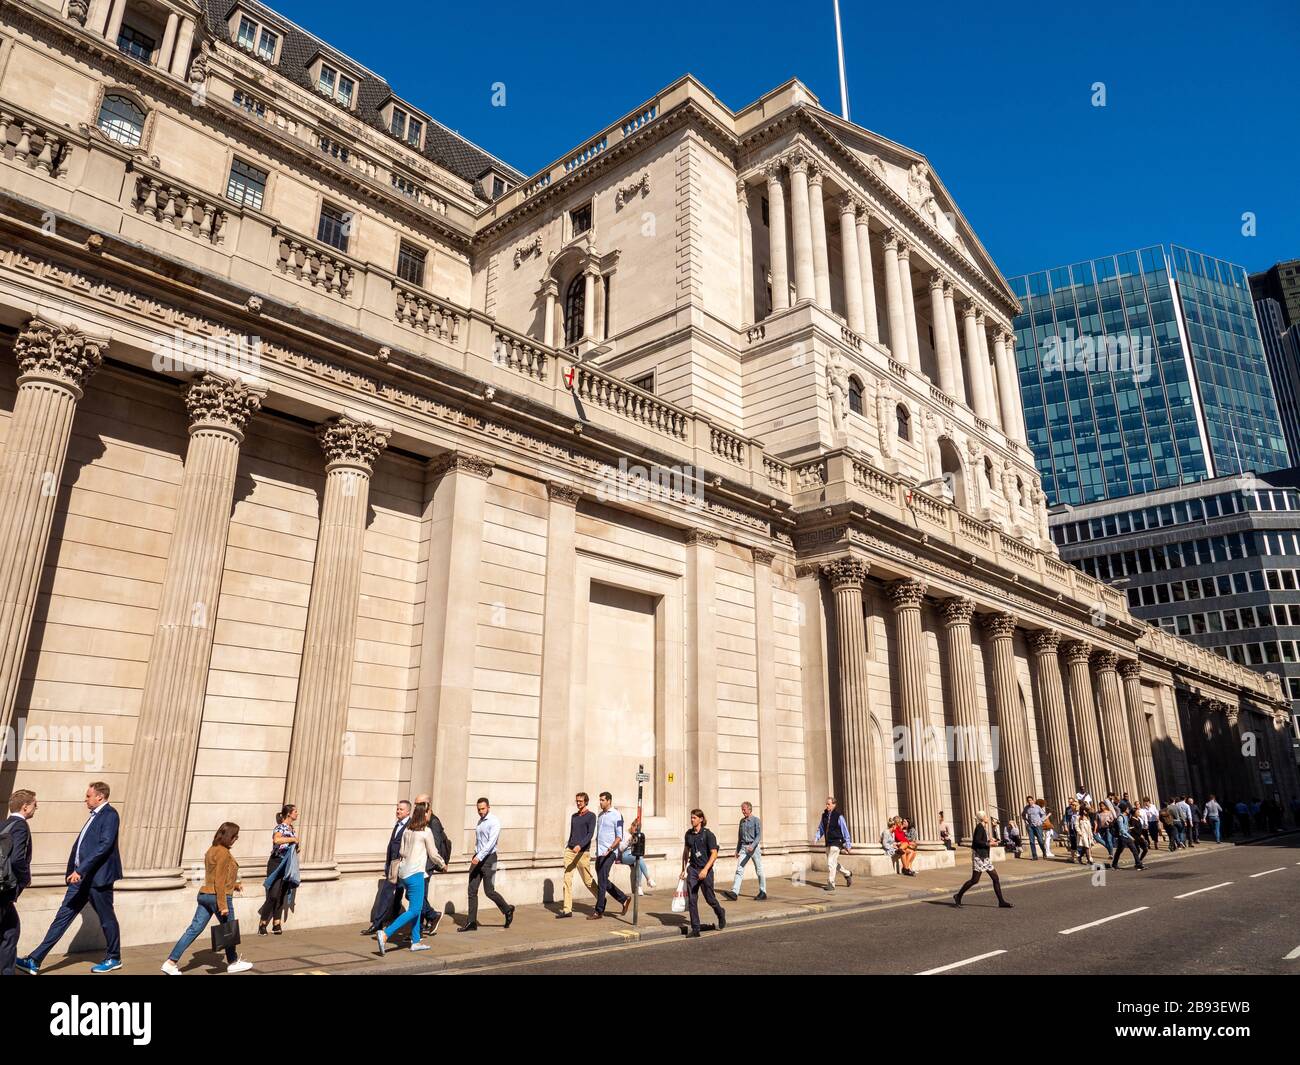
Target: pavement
x: 537, y: 934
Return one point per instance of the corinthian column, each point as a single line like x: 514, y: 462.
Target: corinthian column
x: 970, y: 796
x: 778, y: 257
x: 176, y: 682
x: 748, y: 312
x: 849, y: 263
x: 1116, y: 752
x: 871, y: 328
x: 920, y: 770
x: 1017, y: 773
x: 954, y: 343
x: 821, y: 259
x: 894, y: 301
x: 1013, y: 413
x: 1083, y: 717
x: 909, y: 305
x: 1058, y: 772
x: 861, y: 763
x: 805, y: 285
x: 1130, y: 672
x: 54, y: 364
x: 986, y: 369
x: 947, y: 380
x: 978, y: 377
x: 329, y: 645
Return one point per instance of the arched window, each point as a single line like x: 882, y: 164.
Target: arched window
x: 855, y: 395
x: 904, y: 423
x: 121, y: 120
x: 575, y: 306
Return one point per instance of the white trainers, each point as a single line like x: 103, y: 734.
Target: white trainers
x: 420, y: 946
x: 239, y: 965
x: 649, y: 886
x: 640, y: 889
x: 171, y: 968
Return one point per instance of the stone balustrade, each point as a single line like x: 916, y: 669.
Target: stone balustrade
x: 33, y: 143
x: 420, y: 310
x: 181, y: 208
x: 610, y: 393
x: 727, y: 446
x: 517, y: 354
x: 316, y: 265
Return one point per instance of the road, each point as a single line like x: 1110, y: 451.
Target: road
x: 1227, y: 912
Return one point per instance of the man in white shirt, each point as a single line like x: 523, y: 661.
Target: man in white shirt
x: 609, y: 837
x: 483, y: 867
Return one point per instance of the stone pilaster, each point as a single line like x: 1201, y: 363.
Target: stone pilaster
x: 871, y: 327
x: 849, y: 264
x: 1117, y: 754
x: 778, y: 256
x: 821, y: 259
x: 54, y: 364
x: 329, y: 643
x: 909, y: 305
x: 1059, y: 777
x: 894, y: 301
x: 861, y: 763
x: 455, y: 501
x: 176, y: 681
x: 1083, y: 718
x: 920, y: 770
x: 1016, y: 771
x: 559, y: 758
x: 805, y: 283
x: 769, y: 765
x: 701, y: 670
x: 1130, y: 672
x: 969, y: 791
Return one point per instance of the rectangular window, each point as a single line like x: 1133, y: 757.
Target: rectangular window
x: 498, y: 187
x: 410, y: 264
x: 398, y: 125
x: 247, y: 32
x: 580, y: 218
x: 334, y: 227
x: 266, y: 45
x: 327, y: 78
x: 414, y: 130
x: 646, y: 382
x: 346, y: 88
x: 136, y: 44
x: 247, y: 185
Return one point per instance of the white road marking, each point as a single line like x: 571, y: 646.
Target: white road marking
x: 959, y: 964
x: 1189, y: 894
x: 1293, y: 955
x: 1112, y: 917
x: 1279, y: 869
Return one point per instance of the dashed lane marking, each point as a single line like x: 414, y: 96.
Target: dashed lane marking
x: 959, y: 964
x: 1215, y: 887
x: 1093, y: 924
x: 1279, y: 869
x: 1293, y: 955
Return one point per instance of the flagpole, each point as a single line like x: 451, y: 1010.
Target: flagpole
x: 844, y: 85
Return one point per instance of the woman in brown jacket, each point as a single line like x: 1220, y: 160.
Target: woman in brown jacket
x: 220, y: 881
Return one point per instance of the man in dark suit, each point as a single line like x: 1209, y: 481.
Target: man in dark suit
x: 93, y: 867
x: 16, y: 841
x: 389, y: 896
x: 429, y: 917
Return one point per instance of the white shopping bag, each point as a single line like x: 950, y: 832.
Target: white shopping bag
x: 679, y: 897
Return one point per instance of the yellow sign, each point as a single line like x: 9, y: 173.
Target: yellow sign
x: 672, y: 778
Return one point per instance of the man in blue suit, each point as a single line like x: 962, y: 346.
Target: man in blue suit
x: 16, y: 842
x: 388, y: 901
x: 93, y: 866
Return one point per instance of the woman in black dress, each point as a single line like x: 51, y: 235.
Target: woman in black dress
x: 981, y: 862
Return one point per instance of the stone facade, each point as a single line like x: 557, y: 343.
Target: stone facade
x: 289, y: 518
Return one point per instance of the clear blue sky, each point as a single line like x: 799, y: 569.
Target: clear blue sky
x: 1201, y: 123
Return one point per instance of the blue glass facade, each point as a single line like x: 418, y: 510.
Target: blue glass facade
x: 1121, y: 396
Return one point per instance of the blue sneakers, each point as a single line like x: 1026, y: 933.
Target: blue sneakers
x: 107, y: 965
x: 26, y: 965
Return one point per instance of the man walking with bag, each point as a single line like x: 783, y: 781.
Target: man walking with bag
x: 698, y: 855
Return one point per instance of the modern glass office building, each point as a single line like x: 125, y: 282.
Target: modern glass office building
x: 1141, y: 371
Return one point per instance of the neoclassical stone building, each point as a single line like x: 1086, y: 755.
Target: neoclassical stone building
x: 343, y: 462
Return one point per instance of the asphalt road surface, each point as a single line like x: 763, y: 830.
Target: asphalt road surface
x: 1226, y: 912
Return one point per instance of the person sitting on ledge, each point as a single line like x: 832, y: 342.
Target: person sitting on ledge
x: 906, y: 848
x: 945, y: 832
x: 888, y: 845
x: 1011, y: 838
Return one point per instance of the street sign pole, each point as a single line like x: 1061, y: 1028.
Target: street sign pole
x: 638, y: 845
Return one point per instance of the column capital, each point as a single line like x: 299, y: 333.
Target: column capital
x: 904, y: 250
x: 949, y: 289
x: 350, y: 442
x: 969, y: 309
x: 762, y: 556
x: 863, y: 209
x: 461, y: 462
x: 742, y: 189
x: 937, y: 282
x: 1130, y: 669
x: 59, y: 352
x: 548, y: 287
x: 772, y: 171
x: 847, y: 202
x: 1043, y: 641
x: 891, y: 239
x: 228, y: 403
x: 980, y: 317
x: 815, y: 176
x: 847, y: 570
x: 999, y: 625
x: 1104, y: 661
x: 798, y: 164
x: 1009, y: 339
x: 956, y: 611
x: 702, y: 538
x: 558, y: 492
x: 907, y: 593
x: 1076, y: 651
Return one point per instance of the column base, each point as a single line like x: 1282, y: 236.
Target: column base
x: 152, y: 879
x: 317, y: 871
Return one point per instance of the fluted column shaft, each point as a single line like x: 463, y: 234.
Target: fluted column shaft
x: 947, y: 379
x: 860, y: 762
x: 1016, y: 774
x: 986, y: 370
x: 1116, y: 752
x: 920, y: 770
x: 176, y: 681
x: 954, y: 344
x: 805, y: 284
x: 978, y: 378
x: 1058, y: 768
x: 909, y: 305
x: 871, y: 326
x: 589, y: 306
x: 970, y: 797
x: 1140, y: 737
x: 329, y: 644
x: 849, y: 264
x: 748, y: 311
x: 1083, y: 719
x: 54, y: 364
x: 778, y: 256
x: 894, y: 301
x: 821, y: 257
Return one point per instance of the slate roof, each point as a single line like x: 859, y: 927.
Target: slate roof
x: 441, y: 146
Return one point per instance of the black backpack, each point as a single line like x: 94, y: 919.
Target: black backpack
x: 8, y: 879
x: 440, y: 838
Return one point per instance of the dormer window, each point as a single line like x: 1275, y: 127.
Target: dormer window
x: 255, y: 37
x: 332, y: 82
x: 406, y: 127
x: 492, y: 184
x: 498, y: 186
